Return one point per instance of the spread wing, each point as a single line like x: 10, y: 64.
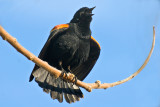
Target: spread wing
x: 84, y: 69
x: 43, y: 54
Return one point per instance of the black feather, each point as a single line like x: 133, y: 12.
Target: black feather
x: 72, y: 45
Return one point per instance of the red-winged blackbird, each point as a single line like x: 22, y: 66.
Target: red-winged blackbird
x: 69, y: 48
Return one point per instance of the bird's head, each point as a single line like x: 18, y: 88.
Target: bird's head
x: 83, y: 15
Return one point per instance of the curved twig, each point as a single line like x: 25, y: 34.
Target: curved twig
x: 57, y: 73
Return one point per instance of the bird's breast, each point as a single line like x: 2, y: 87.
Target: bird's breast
x: 84, y: 49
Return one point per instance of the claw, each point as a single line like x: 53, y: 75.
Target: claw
x: 74, y: 77
x: 74, y: 80
x: 64, y: 72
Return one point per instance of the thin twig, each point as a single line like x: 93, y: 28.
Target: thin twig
x: 57, y: 73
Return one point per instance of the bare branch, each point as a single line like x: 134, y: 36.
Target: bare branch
x: 57, y: 73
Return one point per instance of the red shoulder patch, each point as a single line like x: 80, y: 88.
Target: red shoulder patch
x: 96, y: 42
x: 60, y: 26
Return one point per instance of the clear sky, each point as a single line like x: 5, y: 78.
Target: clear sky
x: 123, y: 28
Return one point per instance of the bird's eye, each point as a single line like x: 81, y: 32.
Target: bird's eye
x: 86, y: 11
x: 81, y: 13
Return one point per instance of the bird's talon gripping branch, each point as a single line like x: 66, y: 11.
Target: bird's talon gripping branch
x: 74, y: 80
x: 64, y: 75
x: 71, y: 79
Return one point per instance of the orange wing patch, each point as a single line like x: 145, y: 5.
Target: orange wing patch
x: 60, y: 27
x: 96, y: 42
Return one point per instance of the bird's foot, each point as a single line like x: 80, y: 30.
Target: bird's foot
x: 74, y: 79
x: 64, y: 74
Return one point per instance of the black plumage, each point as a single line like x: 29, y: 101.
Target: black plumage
x: 69, y: 48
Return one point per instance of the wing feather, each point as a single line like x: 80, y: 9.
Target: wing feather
x: 53, y: 34
x: 84, y: 69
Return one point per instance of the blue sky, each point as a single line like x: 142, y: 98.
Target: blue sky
x: 123, y: 28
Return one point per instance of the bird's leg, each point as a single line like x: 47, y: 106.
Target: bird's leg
x: 63, y: 71
x: 74, y: 77
x: 69, y: 69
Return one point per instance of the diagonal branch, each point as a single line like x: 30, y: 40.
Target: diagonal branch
x: 57, y: 73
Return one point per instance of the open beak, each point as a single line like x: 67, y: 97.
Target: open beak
x: 91, y: 9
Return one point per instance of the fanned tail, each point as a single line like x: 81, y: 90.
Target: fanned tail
x: 56, y: 87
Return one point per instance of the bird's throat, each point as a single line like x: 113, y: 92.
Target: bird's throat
x: 84, y: 28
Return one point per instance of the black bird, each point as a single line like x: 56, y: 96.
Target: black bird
x: 69, y: 48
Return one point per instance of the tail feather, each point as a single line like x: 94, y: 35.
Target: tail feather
x: 40, y: 74
x: 67, y: 93
x: 67, y: 98
x: 57, y: 87
x: 71, y: 95
x: 52, y: 86
x: 46, y: 90
x: 78, y: 92
x: 53, y: 94
x: 60, y: 93
x: 76, y: 95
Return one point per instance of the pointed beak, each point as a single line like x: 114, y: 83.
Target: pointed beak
x: 91, y: 9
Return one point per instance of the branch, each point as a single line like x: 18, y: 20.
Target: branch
x: 57, y: 73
